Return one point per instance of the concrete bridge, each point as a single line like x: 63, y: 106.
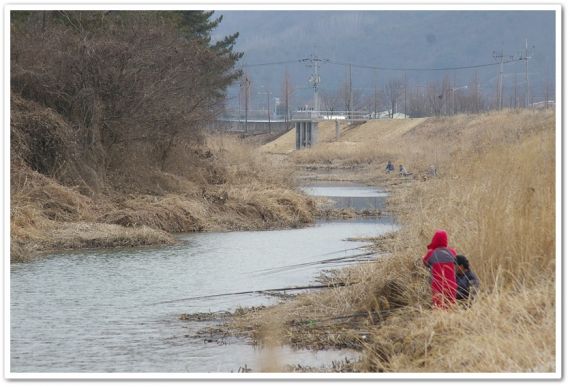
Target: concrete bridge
x: 307, y: 124
x: 251, y: 126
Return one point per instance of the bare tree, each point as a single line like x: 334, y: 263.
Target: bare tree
x: 475, y: 103
x: 447, y: 95
x: 330, y: 99
x: 345, y: 93
x: 245, y: 95
x: 435, y: 98
x: 418, y: 102
x: 286, y: 91
x: 547, y: 90
x: 359, y: 100
x: 393, y: 90
x: 131, y: 87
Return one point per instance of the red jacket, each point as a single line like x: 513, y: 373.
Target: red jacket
x: 441, y: 261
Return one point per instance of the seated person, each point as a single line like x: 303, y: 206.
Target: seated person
x: 467, y: 281
x: 403, y: 171
x: 389, y: 167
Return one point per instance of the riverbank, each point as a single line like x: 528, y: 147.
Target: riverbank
x: 248, y: 191
x: 494, y: 194
x: 160, y: 297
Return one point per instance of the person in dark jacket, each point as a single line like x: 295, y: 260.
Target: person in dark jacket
x: 389, y: 167
x: 440, y: 259
x: 467, y: 281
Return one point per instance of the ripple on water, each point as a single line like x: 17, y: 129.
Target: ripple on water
x: 97, y: 311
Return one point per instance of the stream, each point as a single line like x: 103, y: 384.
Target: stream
x: 117, y: 310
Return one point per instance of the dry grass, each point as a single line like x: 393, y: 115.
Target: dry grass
x: 243, y: 190
x: 415, y: 143
x: 499, y: 209
x: 47, y: 216
x: 503, y: 332
x: 95, y: 235
x: 495, y: 196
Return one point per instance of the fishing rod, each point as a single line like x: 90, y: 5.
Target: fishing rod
x: 293, y: 288
x: 305, y: 264
x: 317, y: 255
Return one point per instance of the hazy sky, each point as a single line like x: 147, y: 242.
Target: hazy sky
x: 393, y: 39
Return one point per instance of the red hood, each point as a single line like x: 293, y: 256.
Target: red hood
x: 439, y: 240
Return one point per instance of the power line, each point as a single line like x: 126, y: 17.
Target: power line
x: 388, y: 68
x: 270, y: 63
x: 423, y: 69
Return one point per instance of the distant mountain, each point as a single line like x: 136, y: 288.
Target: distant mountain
x: 394, y: 39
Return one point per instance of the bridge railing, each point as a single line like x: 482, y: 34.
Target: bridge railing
x: 331, y: 115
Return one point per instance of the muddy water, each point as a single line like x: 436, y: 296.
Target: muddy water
x: 117, y: 310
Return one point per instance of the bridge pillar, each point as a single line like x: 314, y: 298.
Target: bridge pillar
x: 337, y: 126
x: 306, y: 134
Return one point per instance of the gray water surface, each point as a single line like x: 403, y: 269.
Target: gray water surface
x: 117, y: 310
x: 349, y: 195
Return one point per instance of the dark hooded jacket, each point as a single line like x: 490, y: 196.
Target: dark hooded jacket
x: 467, y: 285
x: 440, y: 259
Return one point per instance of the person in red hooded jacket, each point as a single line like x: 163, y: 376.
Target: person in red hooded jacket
x: 440, y: 259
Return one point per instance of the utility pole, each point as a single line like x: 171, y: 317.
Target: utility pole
x: 245, y: 83
x: 405, y: 96
x: 267, y: 93
x: 239, y: 108
x: 546, y: 93
x: 286, y: 99
x: 314, y: 62
x: 515, y: 87
x: 477, y: 92
x: 500, y: 57
x: 268, y: 114
x: 526, y: 57
x: 350, y: 107
x: 375, y: 93
x: 453, y: 93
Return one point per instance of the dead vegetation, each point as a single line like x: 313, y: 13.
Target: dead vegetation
x: 46, y: 215
x: 56, y: 204
x: 495, y: 195
x: 107, y: 146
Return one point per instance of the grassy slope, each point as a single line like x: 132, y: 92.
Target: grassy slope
x: 234, y: 188
x: 495, y: 197
x: 46, y: 215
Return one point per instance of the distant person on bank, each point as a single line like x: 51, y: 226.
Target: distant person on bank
x: 467, y: 281
x: 389, y: 167
x: 440, y: 259
x: 433, y: 170
x: 403, y: 171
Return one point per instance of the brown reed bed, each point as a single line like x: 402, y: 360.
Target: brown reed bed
x: 249, y: 192
x: 495, y: 195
